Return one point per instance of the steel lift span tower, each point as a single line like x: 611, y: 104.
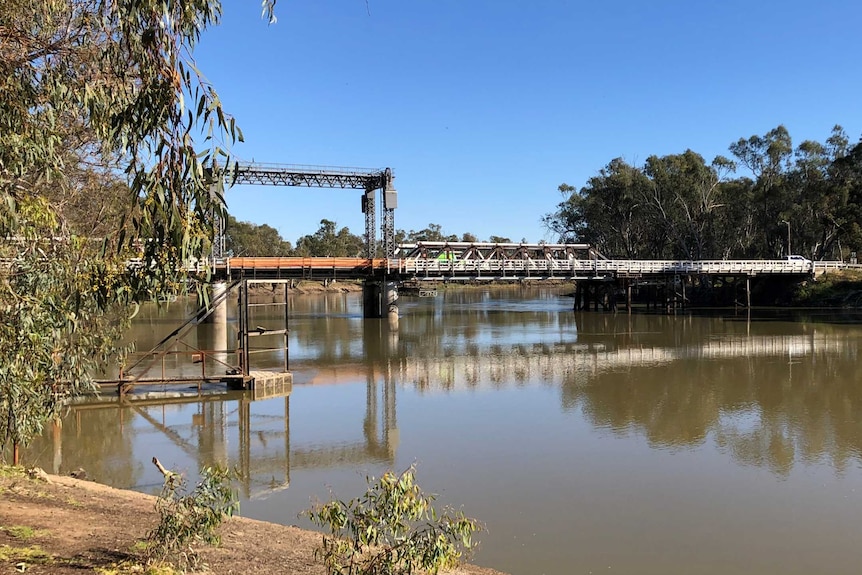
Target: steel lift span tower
x: 368, y: 180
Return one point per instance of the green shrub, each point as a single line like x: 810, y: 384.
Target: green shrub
x: 392, y: 529
x: 22, y: 532
x: 189, y: 519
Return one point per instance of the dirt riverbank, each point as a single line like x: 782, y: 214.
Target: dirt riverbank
x: 308, y: 287
x: 84, y: 527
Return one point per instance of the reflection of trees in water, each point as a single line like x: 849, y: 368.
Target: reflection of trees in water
x: 93, y: 440
x: 769, y: 412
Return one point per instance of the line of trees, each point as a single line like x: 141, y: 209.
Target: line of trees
x: 678, y: 206
x: 434, y: 233
x: 248, y: 239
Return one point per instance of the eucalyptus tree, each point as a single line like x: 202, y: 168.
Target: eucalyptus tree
x: 329, y: 241
x: 608, y: 212
x: 685, y: 199
x: 92, y: 87
x: 432, y: 233
x: 249, y: 239
x: 737, y: 230
x: 845, y: 174
x: 769, y: 159
x: 819, y: 213
x: 681, y: 207
x: 814, y: 208
x: 796, y: 190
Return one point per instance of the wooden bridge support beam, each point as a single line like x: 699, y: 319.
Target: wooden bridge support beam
x: 748, y: 292
x: 670, y: 298
x: 610, y: 297
x: 595, y: 293
x: 582, y: 296
x: 684, y: 281
x: 746, y: 288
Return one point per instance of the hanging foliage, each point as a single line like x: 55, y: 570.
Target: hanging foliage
x: 106, y: 128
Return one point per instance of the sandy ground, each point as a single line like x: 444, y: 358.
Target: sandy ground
x: 84, y: 526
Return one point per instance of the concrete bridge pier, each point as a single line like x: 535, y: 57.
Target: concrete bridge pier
x: 379, y: 300
x: 219, y: 322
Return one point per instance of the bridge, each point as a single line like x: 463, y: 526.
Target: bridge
x: 599, y: 280
x: 459, y: 261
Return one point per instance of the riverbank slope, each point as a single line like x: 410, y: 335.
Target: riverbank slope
x: 85, y: 527
x: 838, y: 288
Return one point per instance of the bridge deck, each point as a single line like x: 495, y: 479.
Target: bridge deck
x: 503, y: 268
x: 306, y: 268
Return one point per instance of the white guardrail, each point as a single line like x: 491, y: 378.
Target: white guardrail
x: 610, y: 267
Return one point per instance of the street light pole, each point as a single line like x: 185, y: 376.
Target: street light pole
x: 788, y: 235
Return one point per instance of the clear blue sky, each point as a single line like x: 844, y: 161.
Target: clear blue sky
x: 482, y: 108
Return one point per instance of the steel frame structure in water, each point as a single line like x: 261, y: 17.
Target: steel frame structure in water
x: 236, y: 374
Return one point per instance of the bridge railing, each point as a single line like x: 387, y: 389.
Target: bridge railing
x: 824, y: 266
x: 420, y: 266
x: 290, y: 263
x: 705, y: 266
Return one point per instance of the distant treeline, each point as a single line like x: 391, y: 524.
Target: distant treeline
x: 680, y: 207
x: 248, y: 239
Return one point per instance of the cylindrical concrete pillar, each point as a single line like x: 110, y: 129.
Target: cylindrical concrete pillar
x: 391, y: 296
x: 219, y: 326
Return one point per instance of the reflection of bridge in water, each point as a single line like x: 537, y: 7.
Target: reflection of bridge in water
x: 233, y: 430
x: 495, y: 365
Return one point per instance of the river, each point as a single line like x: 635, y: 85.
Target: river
x: 584, y: 442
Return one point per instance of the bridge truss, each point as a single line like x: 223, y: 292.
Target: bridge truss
x: 450, y: 251
x: 368, y: 180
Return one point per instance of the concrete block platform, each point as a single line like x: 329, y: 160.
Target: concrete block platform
x: 262, y: 384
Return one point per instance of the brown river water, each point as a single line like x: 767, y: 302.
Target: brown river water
x: 585, y: 442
